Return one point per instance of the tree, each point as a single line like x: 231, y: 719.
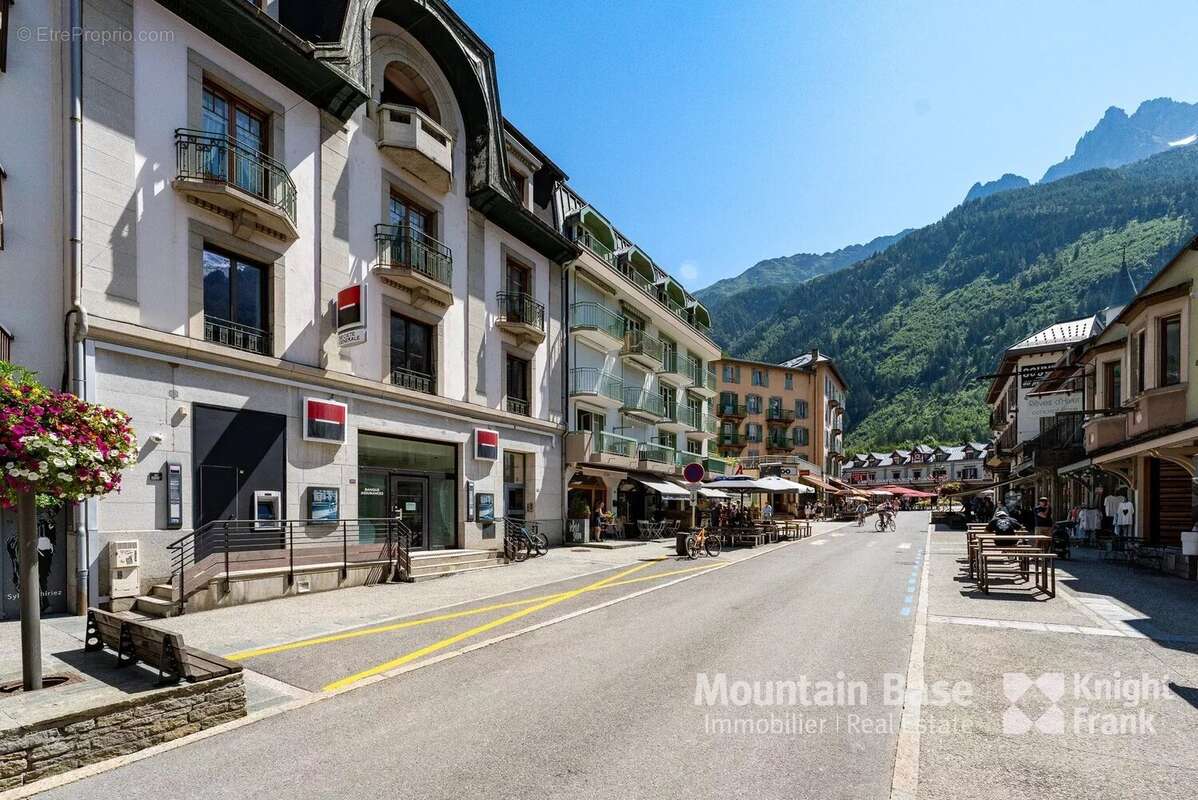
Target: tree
x: 54, y: 448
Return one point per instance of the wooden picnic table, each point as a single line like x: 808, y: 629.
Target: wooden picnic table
x: 1019, y: 551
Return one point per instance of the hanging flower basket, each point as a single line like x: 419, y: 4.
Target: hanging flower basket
x: 57, y: 446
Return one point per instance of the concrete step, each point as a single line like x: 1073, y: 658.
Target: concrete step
x: 452, y: 556
x: 445, y: 573
x: 421, y: 568
x: 163, y: 591
x: 155, y: 606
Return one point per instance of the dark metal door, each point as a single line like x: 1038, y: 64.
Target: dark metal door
x: 409, y: 503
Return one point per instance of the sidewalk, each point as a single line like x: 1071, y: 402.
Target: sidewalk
x: 228, y: 630
x: 1109, y: 707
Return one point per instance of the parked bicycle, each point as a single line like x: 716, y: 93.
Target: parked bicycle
x: 702, y: 542
x: 522, y: 540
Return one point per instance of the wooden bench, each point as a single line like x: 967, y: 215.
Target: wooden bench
x: 136, y: 641
x: 1022, y: 559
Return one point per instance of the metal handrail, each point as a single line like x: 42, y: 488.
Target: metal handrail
x: 411, y: 248
x: 657, y: 453
x: 592, y: 380
x: 214, y: 157
x: 637, y: 342
x: 517, y: 405
x: 425, y: 382
x: 224, y: 547
x: 522, y: 308
x: 596, y: 316
x: 638, y: 399
x: 236, y: 335
x: 580, y: 235
x: 615, y: 444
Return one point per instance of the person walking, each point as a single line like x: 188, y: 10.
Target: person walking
x: 1042, y: 517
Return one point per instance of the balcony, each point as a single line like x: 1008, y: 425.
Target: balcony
x: 602, y: 448
x: 715, y: 466
x: 517, y: 405
x: 413, y: 260
x: 732, y: 440
x: 702, y: 381
x: 682, y: 418
x: 598, y: 324
x: 602, y: 387
x: 1161, y: 407
x: 657, y: 457
x: 641, y: 348
x: 645, y: 405
x: 1060, y: 444
x: 1105, y: 431
x: 249, y: 188
x: 685, y: 457
x: 522, y: 317
x: 732, y: 411
x: 776, y: 445
x: 673, y: 367
x: 779, y: 416
x: 580, y: 235
x: 239, y: 337
x: 412, y: 140
x: 423, y: 382
x: 708, y: 425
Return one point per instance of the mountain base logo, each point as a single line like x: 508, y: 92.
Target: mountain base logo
x: 1108, y: 706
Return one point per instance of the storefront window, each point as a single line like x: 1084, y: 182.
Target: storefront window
x: 413, y: 480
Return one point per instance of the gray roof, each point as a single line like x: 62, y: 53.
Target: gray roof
x: 954, y: 453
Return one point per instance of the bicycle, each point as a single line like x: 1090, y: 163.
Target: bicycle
x: 884, y: 522
x: 700, y: 541
x: 521, y: 540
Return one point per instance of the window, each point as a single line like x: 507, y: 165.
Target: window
x: 232, y: 120
x: 669, y: 440
x: 517, y: 385
x: 669, y: 355
x: 589, y: 421
x: 694, y: 447
x: 5, y: 12
x: 753, y: 432
x: 1111, y: 387
x: 412, y: 362
x: 802, y: 436
x: 790, y: 381
x: 669, y: 398
x: 753, y: 403
x: 513, y: 467
x: 519, y: 278
x: 235, y: 292
x: 760, y: 378
x: 405, y: 213
x: 5, y: 341
x: 916, y: 475
x: 731, y: 374
x: 801, y: 409
x: 728, y: 401
x: 776, y: 407
x: 1169, y: 347
x: 521, y: 183
x: 969, y: 473
x: 896, y: 475
x: 1140, y: 362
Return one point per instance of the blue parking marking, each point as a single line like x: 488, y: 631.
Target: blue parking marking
x: 906, y: 611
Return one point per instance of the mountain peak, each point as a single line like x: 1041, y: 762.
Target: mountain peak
x: 1004, y: 184
x: 1118, y: 139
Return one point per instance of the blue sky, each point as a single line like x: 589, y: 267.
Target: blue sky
x: 715, y: 133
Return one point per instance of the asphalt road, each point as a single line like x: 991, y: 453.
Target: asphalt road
x: 609, y: 703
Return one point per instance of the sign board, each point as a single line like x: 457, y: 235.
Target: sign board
x: 484, y: 510
x: 324, y: 503
x: 486, y: 444
x: 693, y: 473
x: 174, y: 496
x: 325, y: 420
x: 351, y: 316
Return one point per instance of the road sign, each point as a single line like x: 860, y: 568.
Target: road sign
x: 693, y: 473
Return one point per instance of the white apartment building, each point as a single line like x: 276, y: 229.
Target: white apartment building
x: 640, y: 377
x: 234, y: 170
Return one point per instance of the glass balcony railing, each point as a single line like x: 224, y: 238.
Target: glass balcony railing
x: 639, y: 343
x: 402, y: 246
x: 594, y: 381
x: 615, y: 445
x: 638, y: 400
x: 686, y: 457
x: 596, y: 317
x: 715, y: 466
x: 657, y: 453
x: 584, y: 237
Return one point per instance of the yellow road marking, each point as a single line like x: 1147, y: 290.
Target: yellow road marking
x: 452, y: 640
x: 395, y: 626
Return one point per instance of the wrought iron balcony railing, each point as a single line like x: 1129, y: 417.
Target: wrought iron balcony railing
x: 213, y: 157
x: 411, y: 379
x: 241, y: 337
x: 411, y: 248
x: 522, y: 308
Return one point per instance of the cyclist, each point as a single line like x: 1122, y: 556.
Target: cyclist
x: 886, y: 512
x: 862, y: 510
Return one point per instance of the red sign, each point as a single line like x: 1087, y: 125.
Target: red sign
x: 325, y: 420
x: 486, y: 444
x: 351, y: 315
x: 693, y: 473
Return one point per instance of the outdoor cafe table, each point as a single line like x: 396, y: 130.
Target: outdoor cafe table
x: 993, y: 541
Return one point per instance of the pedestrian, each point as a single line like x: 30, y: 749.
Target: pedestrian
x: 600, y: 521
x: 1042, y: 518
x: 1002, y: 523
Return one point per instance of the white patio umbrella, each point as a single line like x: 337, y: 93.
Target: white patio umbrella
x: 772, y: 483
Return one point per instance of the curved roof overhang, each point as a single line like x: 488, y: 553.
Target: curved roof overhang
x: 675, y: 292
x: 597, y: 224
x: 641, y: 262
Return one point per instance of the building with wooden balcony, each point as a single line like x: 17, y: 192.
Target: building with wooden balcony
x: 772, y: 413
x: 924, y: 467
x: 640, y: 363
x: 1140, y: 430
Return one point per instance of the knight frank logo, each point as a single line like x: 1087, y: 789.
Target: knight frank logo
x: 1084, y: 704
x: 1049, y: 688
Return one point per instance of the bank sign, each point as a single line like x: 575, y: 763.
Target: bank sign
x: 324, y: 420
x: 351, y: 316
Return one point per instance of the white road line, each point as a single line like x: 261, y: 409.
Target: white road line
x: 872, y: 542
x: 905, y: 546
x: 820, y: 542
x: 904, y: 781
x: 836, y: 534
